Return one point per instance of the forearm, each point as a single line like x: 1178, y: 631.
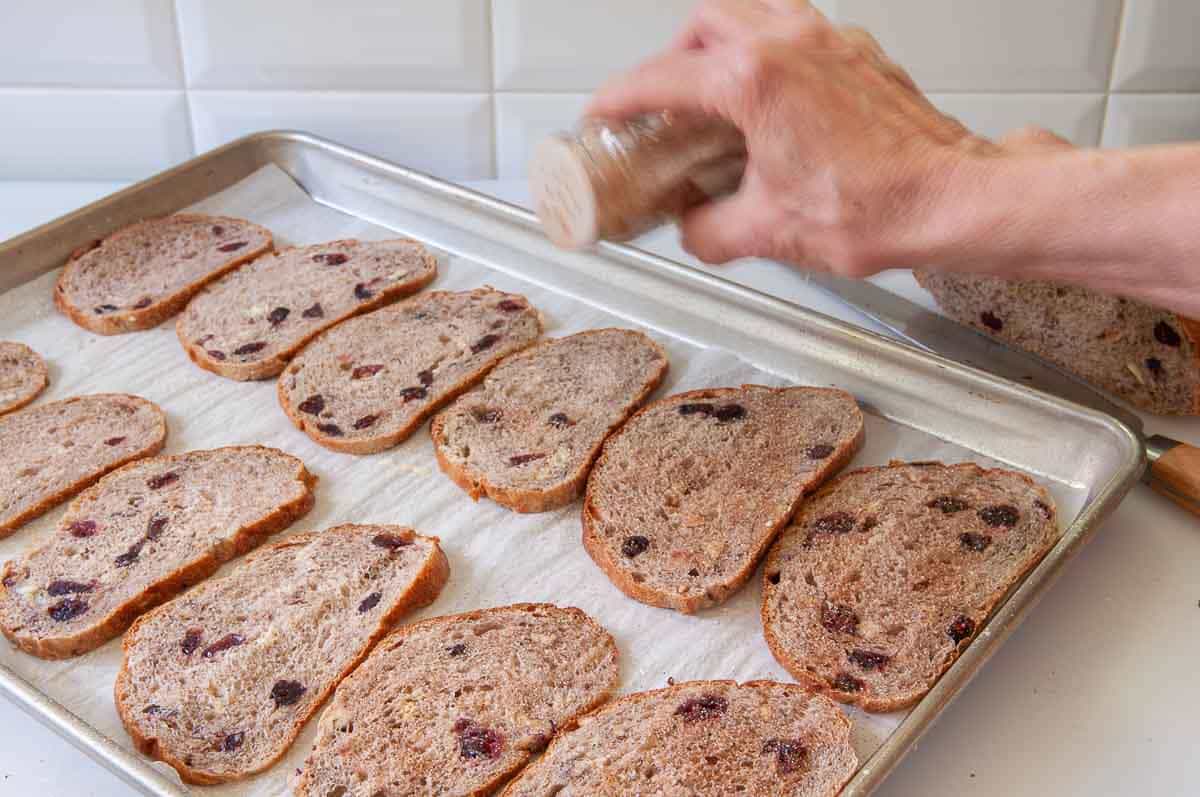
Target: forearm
x: 1118, y: 221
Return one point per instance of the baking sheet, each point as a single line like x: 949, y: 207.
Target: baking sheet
x: 496, y: 557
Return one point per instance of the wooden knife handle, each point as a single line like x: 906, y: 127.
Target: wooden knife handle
x: 1175, y: 471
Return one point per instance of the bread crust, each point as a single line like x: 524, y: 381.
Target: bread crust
x: 40, y: 374
x: 10, y: 526
x: 155, y: 313
x: 796, y: 667
x: 274, y: 365
x: 423, y: 591
x: 641, y: 697
x: 639, y: 592
x: 377, y: 443
x: 477, y: 485
x: 301, y: 787
x: 245, y: 539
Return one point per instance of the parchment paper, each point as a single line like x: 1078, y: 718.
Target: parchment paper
x: 497, y: 557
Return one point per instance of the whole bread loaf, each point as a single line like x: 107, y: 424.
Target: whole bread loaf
x: 887, y: 573
x: 368, y: 383
x: 700, y: 739
x: 251, y: 322
x: 145, y: 273
x: 456, y: 705
x: 528, y: 436
x: 23, y: 375
x: 53, y: 451
x: 1145, y: 355
x: 141, y: 535
x: 686, y: 496
x: 218, y: 682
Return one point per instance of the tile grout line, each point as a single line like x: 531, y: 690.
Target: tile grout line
x: 1112, y: 70
x: 495, y: 117
x: 187, y: 95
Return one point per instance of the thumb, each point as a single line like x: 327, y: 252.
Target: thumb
x: 724, y: 229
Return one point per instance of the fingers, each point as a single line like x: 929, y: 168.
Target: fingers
x: 674, y: 81
x: 725, y: 229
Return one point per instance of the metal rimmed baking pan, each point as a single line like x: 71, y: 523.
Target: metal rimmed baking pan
x: 914, y: 401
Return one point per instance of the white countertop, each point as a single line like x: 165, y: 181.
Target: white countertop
x: 1096, y: 693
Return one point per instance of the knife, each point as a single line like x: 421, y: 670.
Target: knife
x: 1173, y: 467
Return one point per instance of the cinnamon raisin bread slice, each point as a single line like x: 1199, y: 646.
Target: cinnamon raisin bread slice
x: 686, y: 496
x: 887, y: 573
x: 251, y: 322
x: 368, y: 383
x: 218, y: 682
x: 699, y: 739
x: 145, y: 273
x: 23, y: 375
x: 141, y: 535
x: 1148, y: 356
x: 527, y: 437
x: 456, y: 705
x: 53, y: 451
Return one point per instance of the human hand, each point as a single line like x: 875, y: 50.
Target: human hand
x: 847, y: 158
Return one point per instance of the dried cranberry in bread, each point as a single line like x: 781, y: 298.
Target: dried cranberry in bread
x: 701, y: 739
x: 886, y: 573
x: 527, y: 437
x: 23, y: 375
x: 686, y: 496
x: 251, y: 322
x: 53, y: 451
x: 368, y: 383
x: 1146, y: 355
x: 145, y: 273
x: 218, y: 682
x: 456, y: 705
x: 140, y: 536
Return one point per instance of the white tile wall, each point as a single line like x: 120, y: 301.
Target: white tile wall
x: 463, y: 88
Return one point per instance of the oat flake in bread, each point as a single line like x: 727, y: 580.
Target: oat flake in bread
x: 368, y: 383
x: 887, y: 573
x: 527, y: 436
x: 688, y: 494
x: 141, y: 535
x: 700, y: 739
x: 454, y: 706
x: 145, y: 273
x: 23, y: 375
x: 252, y: 321
x: 219, y: 682
x: 52, y: 451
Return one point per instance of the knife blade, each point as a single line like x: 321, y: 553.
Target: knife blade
x: 1170, y: 460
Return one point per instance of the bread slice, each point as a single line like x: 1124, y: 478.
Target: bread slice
x: 456, y: 705
x: 140, y: 536
x: 686, y: 497
x: 251, y: 322
x: 527, y: 437
x: 887, y: 573
x: 145, y: 273
x: 1148, y: 356
x: 218, y: 682
x: 699, y: 739
x: 368, y: 383
x: 53, y: 451
x: 23, y: 375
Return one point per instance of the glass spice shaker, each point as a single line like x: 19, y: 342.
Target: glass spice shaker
x: 615, y: 181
